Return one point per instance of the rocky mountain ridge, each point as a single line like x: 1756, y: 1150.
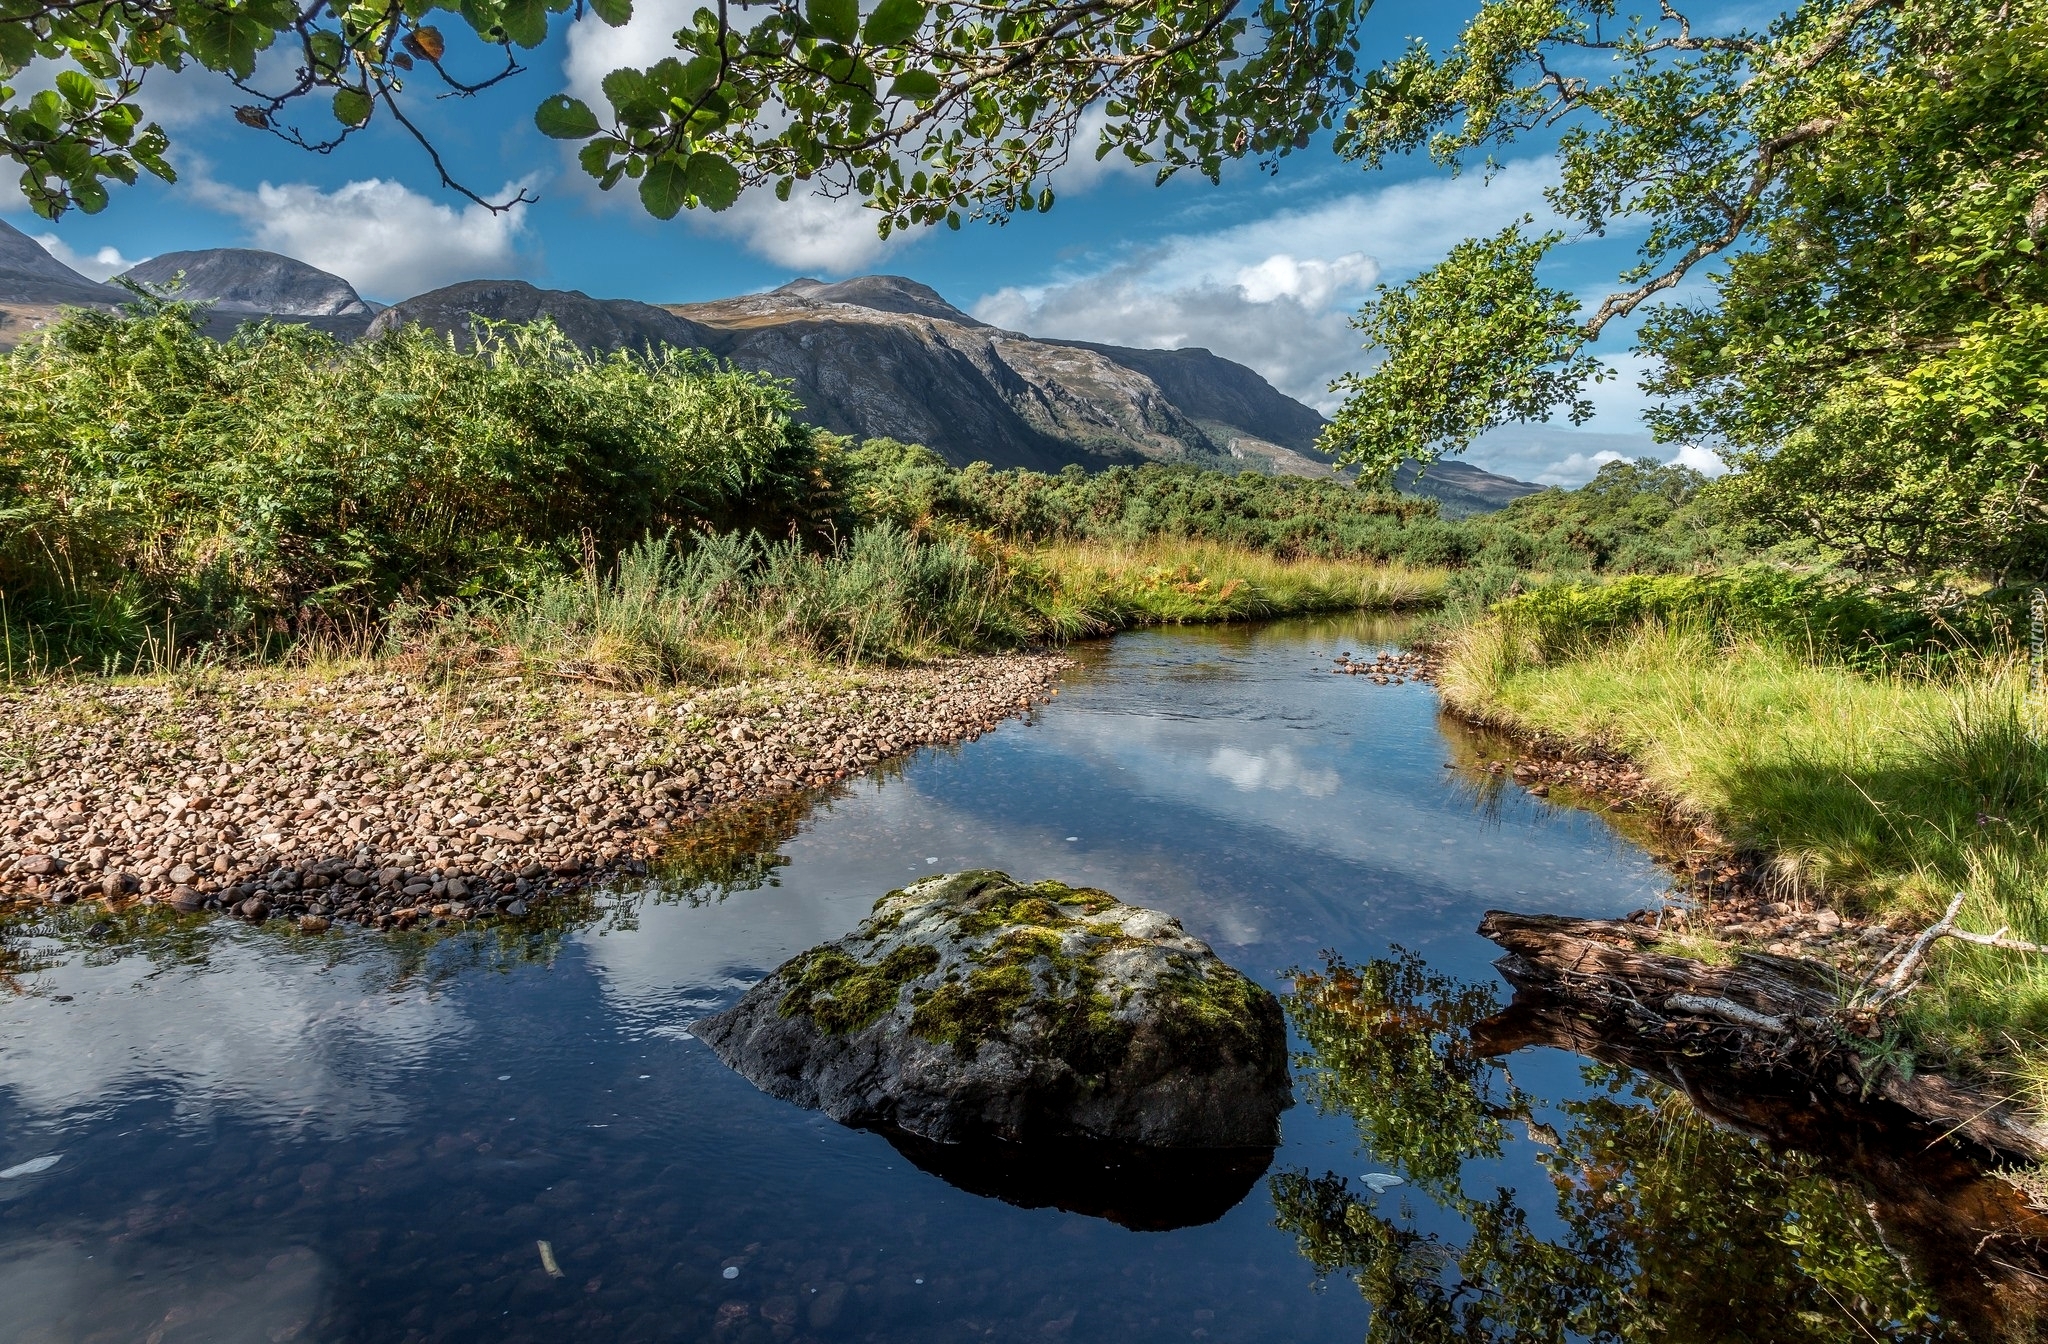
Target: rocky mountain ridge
x: 873, y: 356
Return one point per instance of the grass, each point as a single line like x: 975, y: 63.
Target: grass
x: 1096, y: 587
x: 1877, y: 792
x: 713, y: 608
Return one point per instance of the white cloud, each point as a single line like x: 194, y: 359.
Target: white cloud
x: 100, y: 265
x: 1578, y: 468
x: 382, y: 237
x: 1705, y: 461
x: 1274, y: 292
x: 807, y: 233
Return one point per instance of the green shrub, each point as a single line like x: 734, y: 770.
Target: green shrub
x: 278, y: 482
x: 1816, y: 616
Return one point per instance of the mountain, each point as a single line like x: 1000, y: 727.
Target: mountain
x: 873, y: 356
x: 29, y: 274
x: 34, y: 285
x: 594, y: 324
x: 240, y: 283
x: 1462, y: 488
x: 243, y: 280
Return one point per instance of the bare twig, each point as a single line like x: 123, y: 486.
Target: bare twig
x: 1917, y: 953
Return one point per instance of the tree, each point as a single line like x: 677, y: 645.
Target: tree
x: 1871, y: 177
x: 926, y: 111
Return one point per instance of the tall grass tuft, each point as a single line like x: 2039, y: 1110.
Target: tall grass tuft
x: 674, y: 609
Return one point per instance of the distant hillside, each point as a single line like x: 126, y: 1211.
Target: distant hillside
x: 1462, y: 488
x: 242, y: 282
x: 34, y: 285
x: 874, y: 356
x: 594, y: 324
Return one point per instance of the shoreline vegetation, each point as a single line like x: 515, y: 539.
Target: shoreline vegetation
x: 1814, y: 807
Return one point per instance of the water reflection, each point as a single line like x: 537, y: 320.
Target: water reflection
x: 1144, y: 1189
x: 1657, y: 1223
x: 363, y: 1137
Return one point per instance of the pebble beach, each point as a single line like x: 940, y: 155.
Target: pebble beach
x: 362, y: 795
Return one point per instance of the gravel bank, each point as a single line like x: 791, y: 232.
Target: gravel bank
x: 370, y: 798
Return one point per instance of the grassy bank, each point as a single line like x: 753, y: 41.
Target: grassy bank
x: 733, y: 604
x: 1880, y: 790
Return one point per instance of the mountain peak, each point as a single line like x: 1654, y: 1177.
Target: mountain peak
x: 245, y: 280
x: 34, y: 276
x: 885, y: 293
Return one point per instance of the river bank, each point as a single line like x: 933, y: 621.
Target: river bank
x: 1811, y: 811
x: 360, y: 794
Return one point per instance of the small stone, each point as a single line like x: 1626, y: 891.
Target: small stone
x: 38, y: 865
x: 186, y: 900
x: 312, y: 924
x: 415, y: 890
x: 517, y: 909
x: 254, y: 910
x: 356, y: 877
x: 456, y: 890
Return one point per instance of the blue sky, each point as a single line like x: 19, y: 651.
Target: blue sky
x: 1262, y: 269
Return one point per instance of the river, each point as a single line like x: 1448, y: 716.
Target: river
x: 263, y: 1136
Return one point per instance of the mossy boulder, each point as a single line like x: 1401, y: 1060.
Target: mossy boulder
x: 971, y: 1006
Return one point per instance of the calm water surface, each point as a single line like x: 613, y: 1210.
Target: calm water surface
x: 270, y: 1137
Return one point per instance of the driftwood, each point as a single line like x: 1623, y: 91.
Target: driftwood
x: 1761, y: 1018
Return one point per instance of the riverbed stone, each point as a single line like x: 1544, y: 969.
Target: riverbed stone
x: 970, y: 1006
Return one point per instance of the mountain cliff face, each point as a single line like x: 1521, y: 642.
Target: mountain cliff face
x: 34, y: 285
x: 882, y: 355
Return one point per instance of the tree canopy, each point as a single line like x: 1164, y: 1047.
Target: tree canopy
x: 927, y: 112
x: 1869, y: 179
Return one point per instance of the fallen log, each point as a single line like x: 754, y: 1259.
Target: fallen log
x: 1764, y: 1018
x: 1614, y: 957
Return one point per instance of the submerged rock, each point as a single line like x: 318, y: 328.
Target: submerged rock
x: 972, y: 1007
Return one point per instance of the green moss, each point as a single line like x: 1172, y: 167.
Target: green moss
x: 964, y: 1014
x: 842, y: 993
x: 1209, y: 1016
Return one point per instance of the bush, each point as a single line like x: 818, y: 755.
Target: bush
x: 154, y: 480
x: 1815, y: 616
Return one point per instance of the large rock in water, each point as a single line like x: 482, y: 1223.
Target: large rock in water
x: 972, y: 1007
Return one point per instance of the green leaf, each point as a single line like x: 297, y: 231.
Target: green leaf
x: 664, y: 190
x: 351, y: 107
x: 17, y: 46
x: 327, y: 51
x: 836, y: 20
x: 90, y: 196
x: 919, y: 86
x: 713, y: 180
x: 615, y: 13
x: 78, y: 91
x: 564, y: 118
x: 45, y: 111
x: 525, y: 21
x: 893, y: 22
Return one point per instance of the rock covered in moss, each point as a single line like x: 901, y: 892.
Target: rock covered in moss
x: 971, y: 1006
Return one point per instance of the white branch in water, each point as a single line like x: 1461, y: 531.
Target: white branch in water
x: 1722, y: 1008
